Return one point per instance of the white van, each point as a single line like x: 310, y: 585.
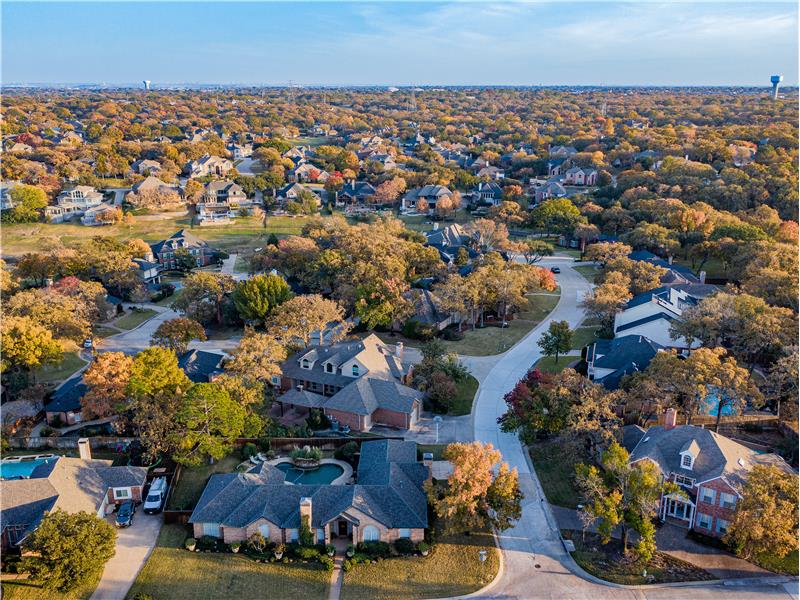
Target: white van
x: 156, y: 496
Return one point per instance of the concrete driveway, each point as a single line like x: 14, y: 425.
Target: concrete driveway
x: 134, y: 545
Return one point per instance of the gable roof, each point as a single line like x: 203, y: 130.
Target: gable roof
x: 200, y: 365
x: 623, y: 355
x: 367, y: 394
x: 389, y: 490
x: 180, y: 239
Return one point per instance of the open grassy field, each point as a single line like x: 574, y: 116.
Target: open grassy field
x: 61, y: 371
x: 175, y: 573
x: 556, y: 471
x: 193, y: 480
x: 245, y: 232
x: 22, y: 589
x: 452, y: 569
x: 134, y: 318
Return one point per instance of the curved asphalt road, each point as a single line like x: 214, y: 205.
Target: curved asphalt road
x: 536, y: 564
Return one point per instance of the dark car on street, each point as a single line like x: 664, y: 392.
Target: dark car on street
x: 555, y: 270
x: 125, y: 514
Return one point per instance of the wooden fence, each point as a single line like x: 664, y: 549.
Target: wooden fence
x: 25, y: 443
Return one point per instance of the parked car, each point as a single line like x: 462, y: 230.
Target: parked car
x: 555, y: 270
x: 154, y: 501
x: 125, y: 514
x: 88, y: 343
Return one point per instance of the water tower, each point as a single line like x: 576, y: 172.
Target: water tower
x: 146, y: 83
x: 776, y: 81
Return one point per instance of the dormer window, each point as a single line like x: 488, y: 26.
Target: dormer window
x: 355, y: 370
x: 329, y: 368
x: 305, y: 364
x: 687, y: 461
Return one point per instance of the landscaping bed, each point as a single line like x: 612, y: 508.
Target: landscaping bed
x: 452, y: 568
x: 608, y: 562
x: 175, y: 573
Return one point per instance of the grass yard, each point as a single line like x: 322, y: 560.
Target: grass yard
x: 466, y: 394
x: 245, y: 232
x: 588, y: 271
x: 786, y: 565
x: 22, y: 589
x: 425, y: 223
x: 496, y: 340
x: 548, y: 364
x: 134, y: 318
x: 556, y: 471
x: 193, y: 480
x: 174, y: 573
x: 61, y: 371
x: 608, y: 562
x: 224, y: 333
x: 452, y: 569
x: 583, y: 336
x: 436, y: 449
x: 102, y: 331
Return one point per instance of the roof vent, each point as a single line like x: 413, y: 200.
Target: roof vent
x: 741, y: 462
x: 647, y: 439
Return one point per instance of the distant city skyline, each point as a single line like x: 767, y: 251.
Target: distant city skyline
x: 464, y: 43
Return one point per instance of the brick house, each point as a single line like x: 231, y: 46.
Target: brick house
x: 386, y: 503
x: 69, y: 484
x: 710, y: 468
x: 358, y: 383
x: 164, y: 251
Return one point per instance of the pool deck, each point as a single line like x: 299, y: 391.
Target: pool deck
x: 343, y: 479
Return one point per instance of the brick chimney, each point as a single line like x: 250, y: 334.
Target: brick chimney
x: 670, y: 419
x: 84, y: 449
x: 305, y: 510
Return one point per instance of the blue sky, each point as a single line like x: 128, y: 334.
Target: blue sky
x: 387, y: 43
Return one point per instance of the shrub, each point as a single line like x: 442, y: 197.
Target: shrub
x: 375, y: 549
x: 235, y: 546
x: 404, y: 546
x: 330, y: 549
x: 423, y: 547
x: 326, y: 562
x: 249, y: 450
x: 306, y: 452
x: 347, y: 452
x: 190, y: 543
x: 207, y: 542
x: 307, y: 553
x: 280, y: 549
x: 452, y: 335
x: 347, y: 565
x: 256, y: 542
x: 418, y: 331
x: 317, y: 420
x: 441, y: 391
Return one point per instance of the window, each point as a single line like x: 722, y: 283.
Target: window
x: 329, y: 368
x: 404, y: 533
x: 305, y: 363
x: 727, y: 501
x: 722, y: 526
x: 684, y: 481
x: 707, y: 495
x: 355, y: 370
x: 704, y: 521
x: 211, y: 529
x: 687, y: 461
x: 122, y: 493
x: 371, y: 534
x: 320, y: 536
x: 264, y: 530
x: 276, y: 380
x: 293, y: 534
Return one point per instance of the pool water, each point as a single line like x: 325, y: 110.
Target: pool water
x: 711, y: 406
x: 23, y: 468
x: 320, y: 476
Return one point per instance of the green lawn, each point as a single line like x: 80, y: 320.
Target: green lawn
x: 102, y: 331
x: 134, y: 318
x: 548, y: 364
x: 713, y: 267
x: 246, y: 232
x: 787, y: 564
x: 588, y: 271
x: 177, y: 574
x: 466, y: 394
x: 26, y: 590
x: 61, y: 371
x: 436, y: 449
x: 556, y: 471
x: 583, y: 336
x: 452, y: 569
x: 193, y: 481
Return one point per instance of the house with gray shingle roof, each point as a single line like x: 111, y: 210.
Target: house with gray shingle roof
x: 387, y: 501
x: 69, y: 484
x: 357, y: 383
x: 430, y: 193
x: 710, y: 468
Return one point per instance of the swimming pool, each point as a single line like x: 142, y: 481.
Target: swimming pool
x: 21, y: 468
x: 324, y: 474
x: 711, y: 406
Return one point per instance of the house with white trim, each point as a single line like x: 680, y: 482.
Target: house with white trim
x: 710, y: 469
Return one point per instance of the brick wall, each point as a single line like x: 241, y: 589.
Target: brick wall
x: 136, y: 495
x: 356, y: 422
x: 391, y: 418
x: 714, y: 510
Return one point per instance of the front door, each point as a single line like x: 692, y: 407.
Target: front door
x: 343, y: 528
